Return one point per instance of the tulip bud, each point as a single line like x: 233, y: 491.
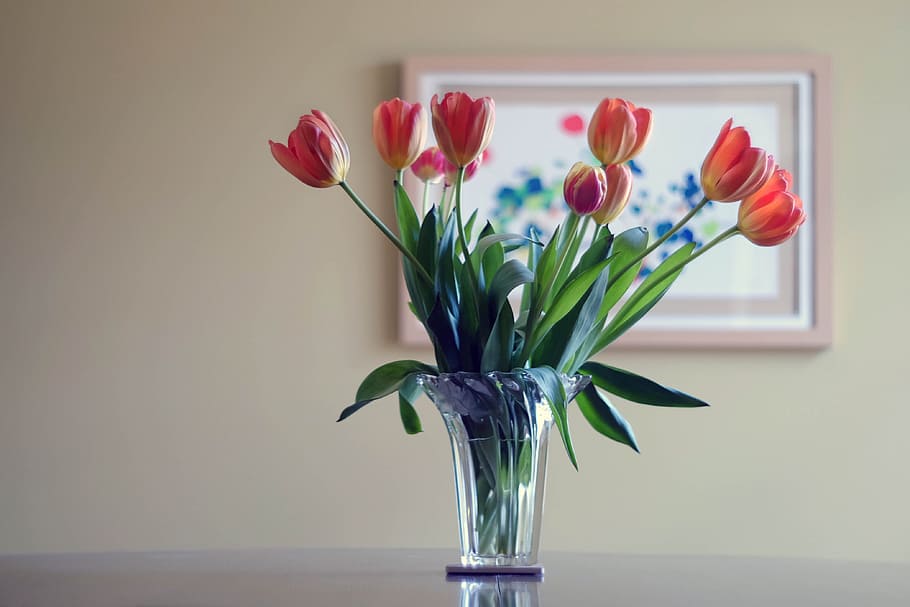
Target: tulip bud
x: 463, y: 126
x: 773, y: 214
x: 619, y: 188
x: 399, y: 132
x: 618, y: 131
x: 316, y: 153
x: 430, y: 166
x: 733, y: 169
x: 585, y: 188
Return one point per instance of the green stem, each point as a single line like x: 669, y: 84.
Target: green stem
x: 426, y: 197
x: 537, y: 303
x: 459, y: 181
x: 674, y: 229
x: 679, y: 224
x: 385, y: 230
x: 732, y: 231
x: 443, y: 203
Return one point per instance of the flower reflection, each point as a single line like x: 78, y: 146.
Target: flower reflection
x: 499, y: 591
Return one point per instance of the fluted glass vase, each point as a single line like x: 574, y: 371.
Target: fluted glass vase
x: 499, y: 425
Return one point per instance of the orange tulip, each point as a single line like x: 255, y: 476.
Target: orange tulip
x: 463, y: 126
x: 733, y: 169
x: 316, y: 153
x: 585, y: 188
x: 430, y: 166
x: 619, y: 188
x: 618, y: 131
x: 399, y: 132
x: 773, y: 214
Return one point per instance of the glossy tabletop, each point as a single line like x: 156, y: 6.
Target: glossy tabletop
x: 318, y: 578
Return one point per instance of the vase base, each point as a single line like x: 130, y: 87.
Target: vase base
x: 472, y: 570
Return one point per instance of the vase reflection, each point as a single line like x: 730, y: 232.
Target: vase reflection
x: 498, y: 591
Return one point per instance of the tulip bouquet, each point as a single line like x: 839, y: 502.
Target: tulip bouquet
x: 579, y: 291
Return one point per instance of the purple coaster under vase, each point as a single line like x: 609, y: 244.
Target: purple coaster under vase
x: 468, y: 570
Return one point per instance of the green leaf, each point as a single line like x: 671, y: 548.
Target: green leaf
x: 408, y: 393
x: 646, y: 296
x: 497, y: 354
x: 572, y: 252
x: 427, y: 241
x: 637, y: 388
x: 534, y: 251
x: 509, y: 276
x: 604, y: 418
x: 626, y: 247
x: 446, y: 288
x: 586, y: 324
x: 384, y: 380
x: 441, y: 327
x: 408, y: 224
x: 568, y: 297
x: 552, y: 388
x: 469, y: 226
x: 486, y: 242
x: 546, y: 265
x: 599, y: 250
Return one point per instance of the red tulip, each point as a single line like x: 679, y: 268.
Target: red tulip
x: 430, y: 166
x: 733, y: 169
x: 585, y: 188
x: 618, y: 131
x: 399, y: 132
x: 619, y: 188
x: 316, y: 153
x: 773, y: 214
x: 451, y: 171
x: 463, y: 126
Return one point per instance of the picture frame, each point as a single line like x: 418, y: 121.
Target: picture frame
x: 740, y: 296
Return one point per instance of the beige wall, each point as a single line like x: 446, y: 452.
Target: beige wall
x: 177, y: 338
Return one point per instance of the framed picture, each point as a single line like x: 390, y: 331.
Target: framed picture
x: 740, y: 296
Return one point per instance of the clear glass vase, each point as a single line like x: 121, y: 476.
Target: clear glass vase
x: 499, y: 425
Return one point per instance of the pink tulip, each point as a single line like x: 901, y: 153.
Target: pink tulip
x: 772, y: 214
x: 430, y: 166
x: 463, y: 126
x: 585, y: 188
x: 316, y: 153
x: 733, y: 169
x: 451, y: 171
x: 618, y: 131
x: 619, y: 188
x: 399, y: 132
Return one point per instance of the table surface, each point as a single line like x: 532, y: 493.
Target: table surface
x: 318, y: 578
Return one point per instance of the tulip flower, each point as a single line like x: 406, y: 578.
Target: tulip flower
x: 463, y: 126
x: 585, y: 188
x: 399, y: 132
x: 316, y: 153
x: 733, y: 169
x: 773, y: 214
x: 430, y: 166
x: 451, y: 171
x: 618, y: 131
x: 619, y: 187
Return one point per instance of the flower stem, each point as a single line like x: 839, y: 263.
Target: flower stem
x: 537, y: 303
x: 385, y: 230
x: 426, y: 197
x: 459, y: 181
x: 679, y: 224
x: 732, y: 231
